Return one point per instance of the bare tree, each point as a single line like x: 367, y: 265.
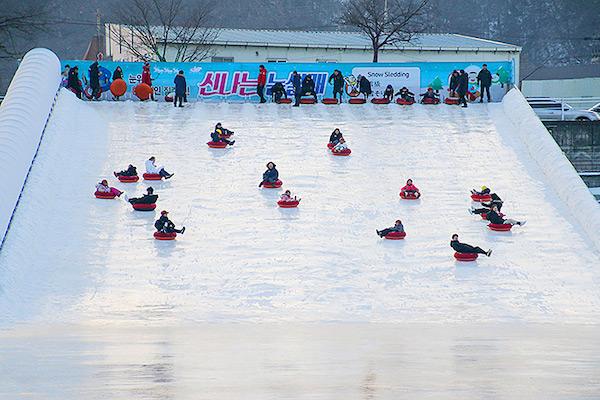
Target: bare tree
x: 165, y: 30
x: 19, y: 21
x: 385, y: 22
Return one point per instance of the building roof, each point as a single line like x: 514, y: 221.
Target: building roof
x: 354, y: 40
x: 577, y: 71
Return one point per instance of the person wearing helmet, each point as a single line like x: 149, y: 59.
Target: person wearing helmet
x: 410, y: 189
x: 220, y: 133
x: 102, y: 187
x: 270, y: 175
x: 496, y: 201
x: 165, y: 225
x: 398, y: 227
x: 148, y: 198
x: 467, y: 248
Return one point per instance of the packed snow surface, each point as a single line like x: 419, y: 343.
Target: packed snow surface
x: 72, y: 258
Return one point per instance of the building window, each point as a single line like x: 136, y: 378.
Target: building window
x: 276, y: 60
x: 221, y: 59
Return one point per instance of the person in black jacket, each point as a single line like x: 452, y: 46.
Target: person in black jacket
x: 338, y: 83
x: 297, y: 83
x: 218, y: 135
x: 388, y: 93
x: 308, y: 86
x: 95, y: 80
x: 165, y: 225
x: 484, y: 78
x: 73, y: 82
x: 278, y: 91
x: 462, y: 88
x: 271, y: 174
x: 495, y: 218
x: 364, y: 87
x: 406, y: 94
x: 467, y: 248
x: 180, y: 89
x: 130, y: 171
x: 453, y: 83
x: 496, y: 201
x: 148, y: 198
x: 117, y: 73
x: 335, y: 137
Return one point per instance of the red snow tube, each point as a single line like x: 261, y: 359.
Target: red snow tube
x: 144, y: 207
x: 152, y: 177
x: 308, y: 100
x: 288, y: 204
x: 484, y: 216
x: 216, y: 145
x: 285, y: 101
x: 329, y: 100
x: 466, y: 256
x: 330, y: 146
x: 395, y: 235
x: 430, y: 101
x: 105, y: 195
x: 380, y: 100
x: 272, y: 185
x: 118, y: 87
x: 453, y: 101
x: 357, y: 101
x: 481, y: 198
x: 500, y: 227
x: 128, y: 179
x: 165, y: 236
x: 142, y: 91
x: 408, y: 196
x: 88, y: 93
x: 345, y: 152
x: 403, y: 102
x: 169, y: 97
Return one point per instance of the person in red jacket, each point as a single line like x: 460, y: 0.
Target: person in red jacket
x: 262, y: 81
x: 410, y: 189
x: 146, y: 78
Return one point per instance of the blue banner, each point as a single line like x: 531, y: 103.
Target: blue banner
x: 238, y: 81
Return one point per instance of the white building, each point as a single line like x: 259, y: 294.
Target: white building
x: 263, y: 46
x: 580, y: 81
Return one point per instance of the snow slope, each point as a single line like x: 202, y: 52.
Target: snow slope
x: 72, y: 258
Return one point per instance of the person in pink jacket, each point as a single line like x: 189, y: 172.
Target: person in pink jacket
x: 287, y: 197
x: 103, y: 187
x: 410, y: 189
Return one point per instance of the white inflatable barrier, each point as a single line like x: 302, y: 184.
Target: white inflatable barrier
x: 23, y: 116
x: 542, y: 148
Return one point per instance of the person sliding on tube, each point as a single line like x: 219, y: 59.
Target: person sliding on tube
x: 73, y: 82
x: 165, y: 225
x: 219, y: 135
x: 467, y: 248
x: 406, y: 95
x: 130, y: 171
x: 496, y: 201
x: 151, y: 168
x: 308, y: 86
x: 277, y: 92
x: 389, y: 93
x: 148, y: 198
x: 484, y: 190
x: 398, y: 227
x: 341, y: 146
x: 430, y: 95
x: 410, y: 190
x: 364, y: 87
x: 103, y: 187
x: 287, y: 197
x: 270, y: 175
x: 338, y: 83
x: 335, y: 137
x: 495, y: 218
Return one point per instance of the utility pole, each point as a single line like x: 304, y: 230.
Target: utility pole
x: 385, y: 11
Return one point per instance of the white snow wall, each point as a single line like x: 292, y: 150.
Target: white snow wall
x: 561, y: 174
x: 23, y: 116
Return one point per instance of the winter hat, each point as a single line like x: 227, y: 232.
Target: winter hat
x: 483, y: 187
x: 164, y: 212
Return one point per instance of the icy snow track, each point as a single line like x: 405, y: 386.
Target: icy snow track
x: 72, y: 258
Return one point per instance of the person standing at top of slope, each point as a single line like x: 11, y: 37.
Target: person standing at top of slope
x: 484, y: 78
x: 271, y: 175
x: 467, y: 248
x: 262, y: 81
x: 147, y: 78
x: 495, y: 218
x: 297, y: 83
x: 165, y: 225
x: 95, y: 80
x: 364, y: 87
x: 389, y: 93
x: 338, y: 83
x: 180, y: 88
x: 410, y: 189
x: 308, y: 86
x: 277, y: 92
x: 398, y: 227
x: 453, y: 83
x: 117, y: 73
x: 151, y: 168
x: 74, y: 83
x: 463, y: 86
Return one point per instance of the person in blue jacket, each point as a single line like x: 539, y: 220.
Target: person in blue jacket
x: 180, y: 86
x: 297, y: 83
x: 270, y: 175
